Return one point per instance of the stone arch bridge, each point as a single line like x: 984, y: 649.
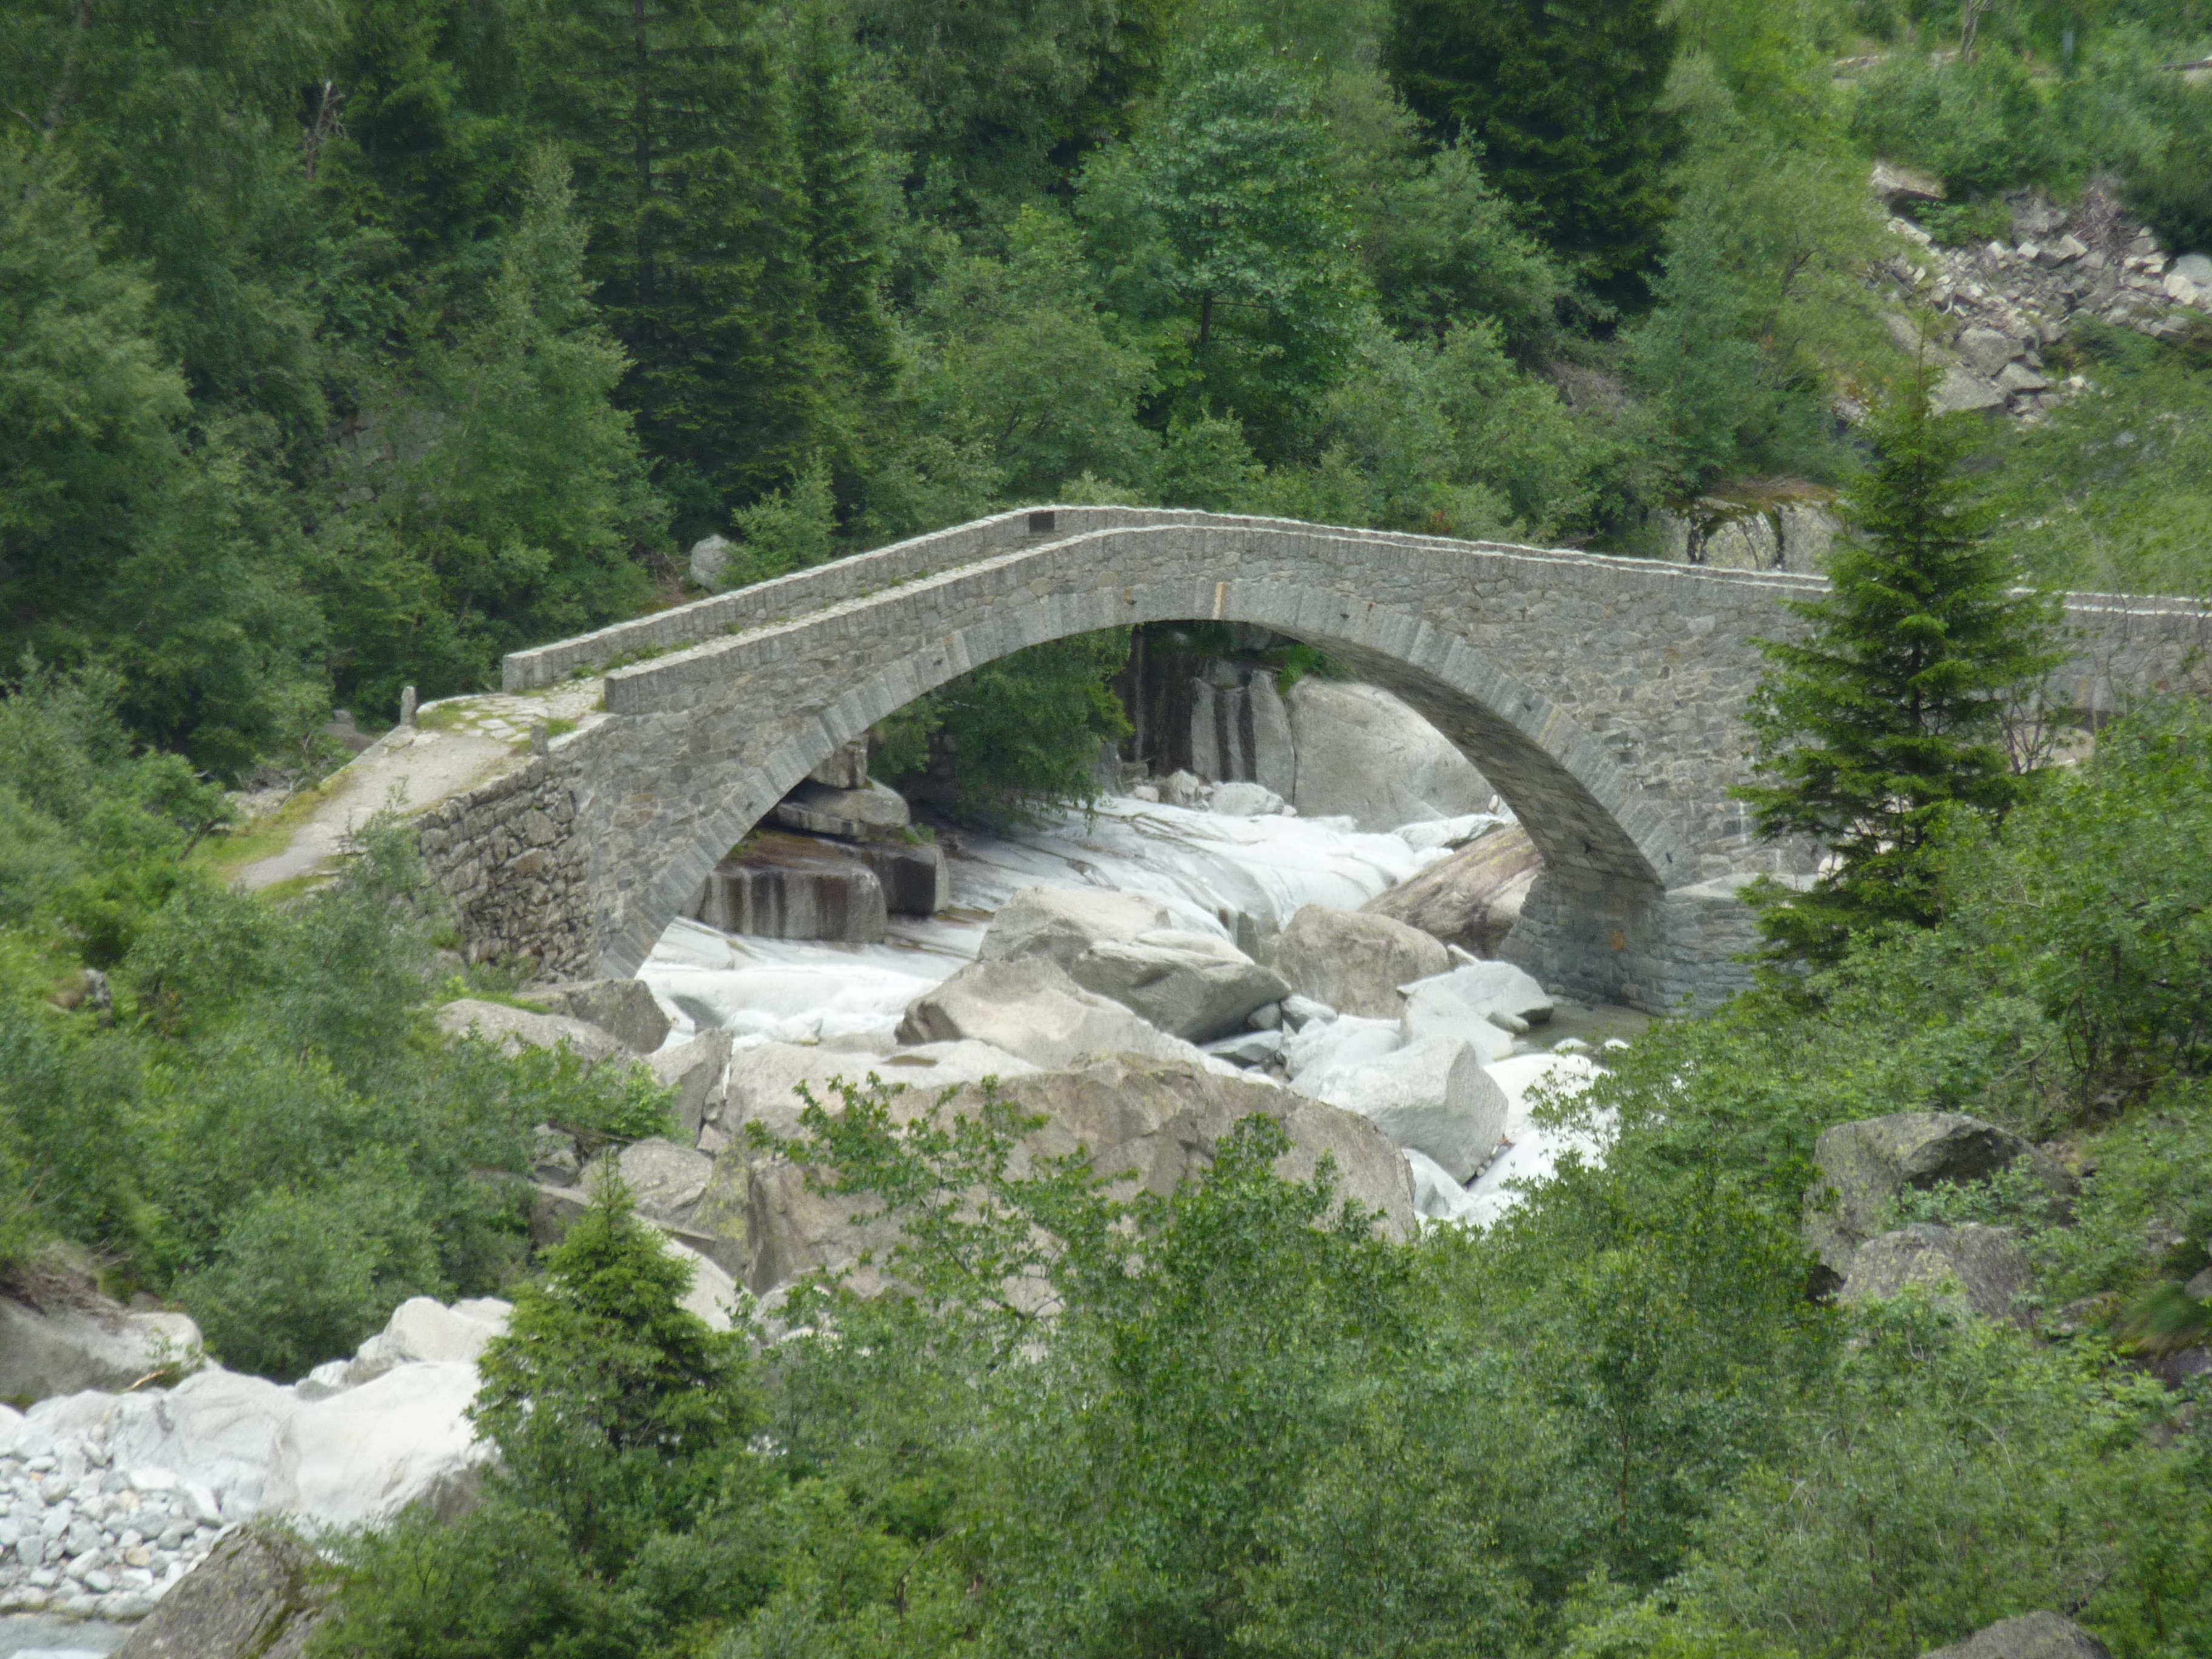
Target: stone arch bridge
x: 1602, y: 696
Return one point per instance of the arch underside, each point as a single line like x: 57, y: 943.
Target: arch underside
x: 1589, y: 820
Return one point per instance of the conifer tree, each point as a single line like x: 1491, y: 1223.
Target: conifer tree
x: 1563, y: 97
x: 677, y: 125
x: 1885, y: 723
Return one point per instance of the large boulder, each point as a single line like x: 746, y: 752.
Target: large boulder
x: 513, y: 1030
x: 786, y: 886
x: 1194, y: 986
x: 421, y: 1330
x: 1031, y: 1008
x: 666, y: 1181
x: 66, y: 1348
x: 1471, y: 899
x: 765, y: 1078
x: 1149, y: 1123
x: 1362, y: 754
x: 916, y: 880
x: 845, y: 768
x: 1432, y: 1096
x: 1061, y: 923
x: 870, y: 812
x: 1345, y: 1042
x: 1485, y: 1003
x: 1355, y: 961
x: 624, y: 1008
x: 250, y: 1447
x: 257, y: 1595
x: 1973, y: 1268
x: 695, y: 1071
x: 1866, y: 1163
x: 2030, y: 1635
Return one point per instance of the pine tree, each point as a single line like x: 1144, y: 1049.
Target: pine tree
x: 675, y: 115
x: 1884, y: 725
x: 603, y: 1356
x: 1563, y: 97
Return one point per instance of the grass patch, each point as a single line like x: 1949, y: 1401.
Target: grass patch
x: 224, y: 856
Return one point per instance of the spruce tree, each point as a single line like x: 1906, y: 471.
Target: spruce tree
x: 675, y: 116
x: 1885, y: 723
x: 1563, y: 97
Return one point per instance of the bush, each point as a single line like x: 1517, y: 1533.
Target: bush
x: 1027, y: 731
x: 1977, y: 124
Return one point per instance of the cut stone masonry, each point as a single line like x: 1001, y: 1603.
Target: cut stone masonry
x: 1600, y: 695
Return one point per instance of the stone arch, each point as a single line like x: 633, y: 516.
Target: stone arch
x: 1606, y: 844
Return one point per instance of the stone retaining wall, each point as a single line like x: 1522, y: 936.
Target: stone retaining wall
x: 508, y: 856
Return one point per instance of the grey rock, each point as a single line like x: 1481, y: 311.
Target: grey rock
x: 1300, y: 1012
x: 2019, y: 377
x: 1894, y: 184
x: 1192, y: 986
x: 514, y: 1030
x: 1961, y: 390
x: 64, y: 1350
x: 1807, y: 530
x: 1355, y: 961
x: 256, y: 1596
x: 1432, y: 1096
x: 1364, y: 755
x: 2194, y: 268
x: 847, y: 769
x: 1986, y: 351
x: 788, y: 886
x: 2030, y: 1635
x: 554, y: 1157
x: 1061, y: 923
x: 1145, y: 1123
x: 873, y: 812
x: 1268, y: 1017
x: 1031, y: 1008
x: 694, y: 1070
x: 666, y: 1179
x: 1973, y: 1268
x: 2199, y: 1285
x: 1865, y: 1163
x: 1183, y: 789
x: 710, y: 556
x: 1247, y: 1049
x: 624, y: 1008
x: 915, y: 879
x: 1240, y: 799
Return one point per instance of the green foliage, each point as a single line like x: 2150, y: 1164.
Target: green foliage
x: 2110, y: 494
x: 602, y: 1356
x: 1978, y: 124
x: 117, y: 542
x: 786, y: 530
x: 1222, y: 216
x: 1566, y: 103
x: 1887, y: 722
x: 1760, y: 304
x: 1965, y: 224
x: 1027, y: 731
x: 505, y: 491
x: 262, y: 1128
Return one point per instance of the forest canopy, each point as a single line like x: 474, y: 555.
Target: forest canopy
x: 351, y: 343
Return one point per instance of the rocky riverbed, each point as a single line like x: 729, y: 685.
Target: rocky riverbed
x: 1139, y: 977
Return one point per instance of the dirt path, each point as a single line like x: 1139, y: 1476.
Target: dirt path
x: 454, y: 746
